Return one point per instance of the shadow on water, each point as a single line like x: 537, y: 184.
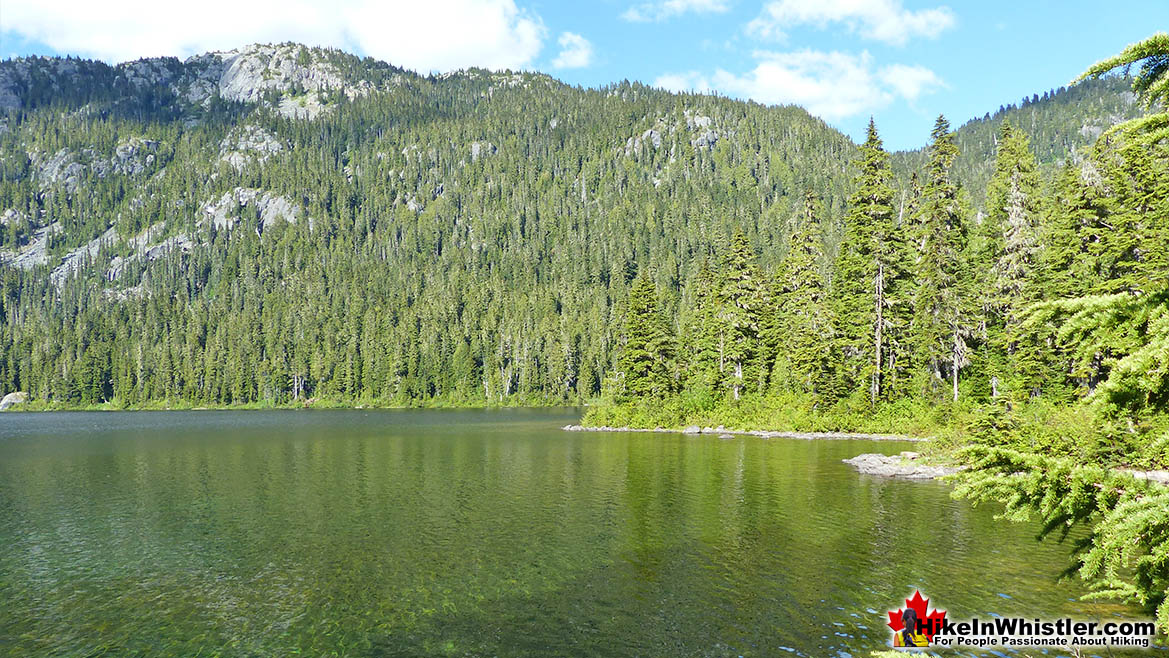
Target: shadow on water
x: 441, y: 533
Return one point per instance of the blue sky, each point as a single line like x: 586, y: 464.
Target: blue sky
x: 901, y: 61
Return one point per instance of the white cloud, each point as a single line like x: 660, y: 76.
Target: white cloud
x: 575, y: 52
x: 435, y: 35
x: 688, y: 81
x: 831, y: 85
x: 881, y: 20
x: 909, y: 82
x: 659, y: 10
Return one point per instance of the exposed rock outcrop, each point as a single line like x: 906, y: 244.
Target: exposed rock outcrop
x: 35, y: 253
x: 148, y: 252
x: 151, y: 71
x: 298, y: 75
x: 906, y: 465
x: 133, y: 156
x: 66, y: 169
x: 651, y: 136
x: 13, y: 399
x: 55, y: 73
x: 12, y: 216
x: 77, y: 258
x: 249, y: 144
x: 233, y: 207
x: 1156, y: 477
x: 300, y: 78
x: 481, y: 149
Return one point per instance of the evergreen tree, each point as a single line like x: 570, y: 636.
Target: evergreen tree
x: 742, y: 301
x: 1002, y: 256
x: 869, y: 283
x: 699, y: 340
x: 645, y: 362
x: 940, y: 320
x: 804, y: 326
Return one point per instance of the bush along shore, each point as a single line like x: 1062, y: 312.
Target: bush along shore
x: 1030, y: 340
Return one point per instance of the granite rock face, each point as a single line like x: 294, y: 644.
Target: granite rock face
x: 13, y: 399
x: 249, y: 144
x: 35, y: 253
x: 291, y: 78
x: 236, y: 207
x: 70, y: 169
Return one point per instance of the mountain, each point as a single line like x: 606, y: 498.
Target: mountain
x: 1060, y: 124
x: 280, y: 222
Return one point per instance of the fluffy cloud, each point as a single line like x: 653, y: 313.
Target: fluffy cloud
x: 575, y: 52
x: 831, y: 85
x: 910, y: 82
x: 437, y: 35
x: 659, y: 10
x: 882, y: 20
x: 688, y: 81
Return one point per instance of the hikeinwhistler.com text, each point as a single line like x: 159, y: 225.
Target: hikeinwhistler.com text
x: 1019, y: 632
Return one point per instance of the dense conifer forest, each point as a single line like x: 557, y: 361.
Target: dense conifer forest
x: 1028, y: 332
x: 281, y: 225
x: 341, y: 229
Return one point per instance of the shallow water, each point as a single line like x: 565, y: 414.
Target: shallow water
x: 455, y: 533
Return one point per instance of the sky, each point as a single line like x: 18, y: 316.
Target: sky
x: 902, y: 62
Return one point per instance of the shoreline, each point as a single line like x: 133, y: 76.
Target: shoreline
x: 764, y: 434
x: 904, y: 466
x: 317, y: 405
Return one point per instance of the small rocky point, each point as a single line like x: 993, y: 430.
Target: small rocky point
x: 13, y: 399
x: 906, y: 465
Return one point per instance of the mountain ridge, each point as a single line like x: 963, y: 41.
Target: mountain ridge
x: 267, y: 228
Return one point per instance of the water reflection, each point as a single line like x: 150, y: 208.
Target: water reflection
x: 475, y: 533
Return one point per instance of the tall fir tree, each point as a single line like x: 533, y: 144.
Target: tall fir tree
x: 742, y: 301
x: 940, y: 320
x: 699, y: 341
x: 869, y: 285
x: 1002, y: 255
x: 644, y: 367
x: 804, y: 324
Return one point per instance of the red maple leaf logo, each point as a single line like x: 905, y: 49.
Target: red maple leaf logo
x: 931, y: 622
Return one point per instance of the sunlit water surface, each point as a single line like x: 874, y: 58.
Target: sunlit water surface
x: 477, y: 533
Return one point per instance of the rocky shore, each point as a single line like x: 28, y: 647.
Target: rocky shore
x: 906, y: 465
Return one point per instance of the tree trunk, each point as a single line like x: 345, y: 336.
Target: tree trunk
x: 954, y: 367
x: 879, y: 297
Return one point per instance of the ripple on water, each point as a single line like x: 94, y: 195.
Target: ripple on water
x: 477, y: 533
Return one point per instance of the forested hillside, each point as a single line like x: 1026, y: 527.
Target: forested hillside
x: 1059, y: 125
x: 1023, y: 324
x: 282, y: 223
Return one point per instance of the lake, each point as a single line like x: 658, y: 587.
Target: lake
x: 478, y: 533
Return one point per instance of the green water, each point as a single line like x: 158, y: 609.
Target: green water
x: 476, y: 533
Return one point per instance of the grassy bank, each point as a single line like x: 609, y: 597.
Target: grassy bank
x: 1042, y: 427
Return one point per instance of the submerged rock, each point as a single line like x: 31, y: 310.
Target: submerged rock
x: 905, y: 465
